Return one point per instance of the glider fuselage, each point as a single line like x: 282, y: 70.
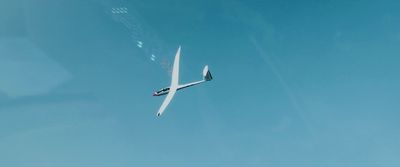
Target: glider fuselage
x: 165, y: 91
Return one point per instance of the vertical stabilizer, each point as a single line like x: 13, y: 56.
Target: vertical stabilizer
x: 207, y: 74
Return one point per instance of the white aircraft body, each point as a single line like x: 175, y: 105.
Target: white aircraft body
x: 170, y: 91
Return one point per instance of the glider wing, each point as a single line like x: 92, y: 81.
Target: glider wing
x: 175, y: 70
x: 166, y: 102
x: 174, y: 83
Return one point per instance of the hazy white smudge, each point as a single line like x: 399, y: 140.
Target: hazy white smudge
x: 26, y: 70
x: 284, y: 84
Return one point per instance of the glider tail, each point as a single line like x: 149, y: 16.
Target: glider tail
x: 207, y: 74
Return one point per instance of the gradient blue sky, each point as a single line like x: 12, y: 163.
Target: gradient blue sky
x: 296, y: 83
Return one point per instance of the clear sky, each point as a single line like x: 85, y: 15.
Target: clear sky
x: 296, y: 83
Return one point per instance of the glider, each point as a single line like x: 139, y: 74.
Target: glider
x: 170, y: 91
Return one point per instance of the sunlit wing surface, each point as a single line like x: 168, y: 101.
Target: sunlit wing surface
x: 166, y: 102
x: 175, y: 70
x: 174, y: 83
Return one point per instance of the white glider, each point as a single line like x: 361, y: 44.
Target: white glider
x: 175, y: 85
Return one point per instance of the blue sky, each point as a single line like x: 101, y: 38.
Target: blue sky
x: 305, y: 84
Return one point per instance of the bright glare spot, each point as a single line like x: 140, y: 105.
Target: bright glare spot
x: 139, y: 44
x: 153, y: 57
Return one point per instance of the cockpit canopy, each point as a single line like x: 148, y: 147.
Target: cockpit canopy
x: 163, y: 90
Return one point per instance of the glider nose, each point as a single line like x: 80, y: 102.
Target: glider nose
x: 154, y: 94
